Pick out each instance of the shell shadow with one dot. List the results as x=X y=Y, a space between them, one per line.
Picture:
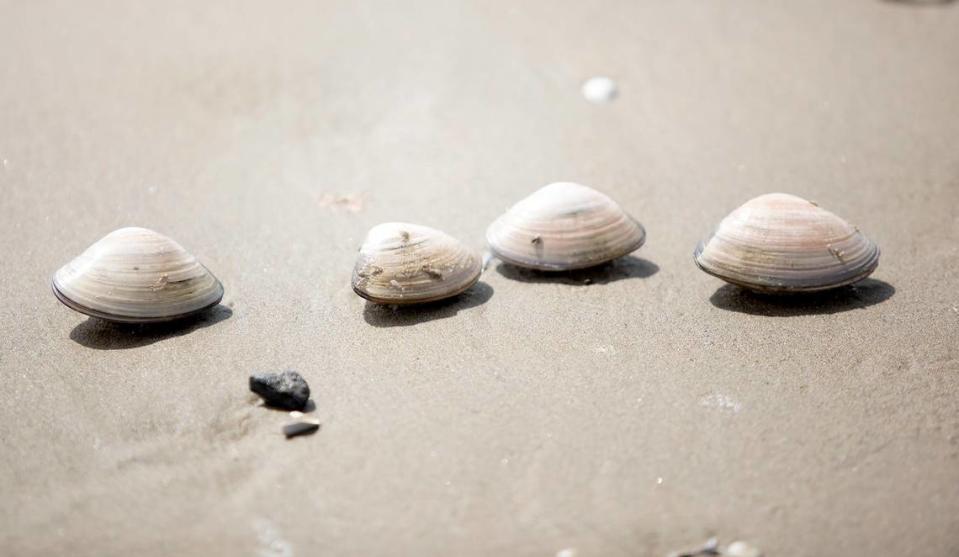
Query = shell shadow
x=857 y=296
x=104 y=335
x=380 y=315
x=627 y=267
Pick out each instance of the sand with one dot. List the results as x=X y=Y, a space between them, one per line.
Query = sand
x=631 y=410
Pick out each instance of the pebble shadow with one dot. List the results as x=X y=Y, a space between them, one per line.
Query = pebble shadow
x=380 y=315
x=628 y=267
x=104 y=335
x=858 y=296
x=255 y=400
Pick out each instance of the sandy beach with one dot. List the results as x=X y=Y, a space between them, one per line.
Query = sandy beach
x=634 y=409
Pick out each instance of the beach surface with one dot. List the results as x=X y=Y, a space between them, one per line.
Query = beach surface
x=635 y=409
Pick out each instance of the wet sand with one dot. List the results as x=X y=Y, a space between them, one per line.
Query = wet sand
x=634 y=409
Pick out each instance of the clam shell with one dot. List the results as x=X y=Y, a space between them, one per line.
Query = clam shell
x=782 y=243
x=564 y=226
x=403 y=263
x=136 y=275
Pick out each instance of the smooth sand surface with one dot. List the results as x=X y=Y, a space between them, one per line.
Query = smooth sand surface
x=631 y=410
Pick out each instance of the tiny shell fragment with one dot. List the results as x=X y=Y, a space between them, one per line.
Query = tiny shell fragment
x=301 y=426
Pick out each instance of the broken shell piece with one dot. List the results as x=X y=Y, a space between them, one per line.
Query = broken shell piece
x=564 y=226
x=301 y=426
x=407 y=263
x=783 y=243
x=741 y=549
x=136 y=275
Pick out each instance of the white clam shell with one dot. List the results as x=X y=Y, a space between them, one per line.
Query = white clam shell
x=136 y=275
x=782 y=243
x=564 y=226
x=403 y=263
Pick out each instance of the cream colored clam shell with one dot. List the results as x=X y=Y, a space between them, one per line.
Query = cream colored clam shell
x=403 y=263
x=782 y=243
x=564 y=226
x=136 y=275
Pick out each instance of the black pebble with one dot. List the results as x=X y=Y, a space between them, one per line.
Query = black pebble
x=287 y=390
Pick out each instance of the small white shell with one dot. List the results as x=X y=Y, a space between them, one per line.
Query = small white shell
x=403 y=263
x=782 y=243
x=135 y=275
x=599 y=89
x=564 y=226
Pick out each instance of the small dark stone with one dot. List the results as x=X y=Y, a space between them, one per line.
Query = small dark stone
x=287 y=390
